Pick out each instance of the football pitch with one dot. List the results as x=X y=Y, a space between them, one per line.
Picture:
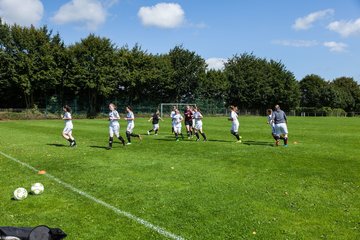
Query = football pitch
x=162 y=189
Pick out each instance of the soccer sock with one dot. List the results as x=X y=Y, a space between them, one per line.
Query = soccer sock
x=274 y=136
x=121 y=140
x=134 y=135
x=151 y=130
x=286 y=141
x=204 y=136
x=182 y=136
x=197 y=135
x=156 y=131
x=176 y=136
x=188 y=133
x=237 y=136
x=110 y=141
x=128 y=136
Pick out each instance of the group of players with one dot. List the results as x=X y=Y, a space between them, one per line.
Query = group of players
x=193 y=121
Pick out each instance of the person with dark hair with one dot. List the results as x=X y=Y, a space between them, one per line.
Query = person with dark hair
x=198 y=124
x=114 y=126
x=188 y=113
x=131 y=124
x=280 y=120
x=155 y=121
x=235 y=123
x=176 y=120
x=67 y=132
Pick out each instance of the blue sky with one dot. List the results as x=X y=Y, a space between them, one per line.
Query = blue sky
x=309 y=36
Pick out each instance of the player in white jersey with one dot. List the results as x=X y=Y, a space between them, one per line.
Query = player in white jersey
x=198 y=124
x=130 y=125
x=235 y=123
x=172 y=114
x=114 y=126
x=67 y=132
x=271 y=123
x=176 y=121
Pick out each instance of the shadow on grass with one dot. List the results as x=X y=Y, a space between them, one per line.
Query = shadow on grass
x=56 y=145
x=216 y=140
x=259 y=143
x=101 y=147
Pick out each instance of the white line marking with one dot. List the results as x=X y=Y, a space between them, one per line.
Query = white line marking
x=143 y=222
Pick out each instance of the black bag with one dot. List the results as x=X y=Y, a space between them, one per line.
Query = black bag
x=37 y=233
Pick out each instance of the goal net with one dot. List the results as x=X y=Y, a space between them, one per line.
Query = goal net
x=166 y=108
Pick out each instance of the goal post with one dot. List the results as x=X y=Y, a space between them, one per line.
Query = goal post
x=167 y=107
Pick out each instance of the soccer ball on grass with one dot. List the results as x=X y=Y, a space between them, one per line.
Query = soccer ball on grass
x=20 y=193
x=37 y=188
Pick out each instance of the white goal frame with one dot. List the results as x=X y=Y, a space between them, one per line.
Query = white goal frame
x=173 y=104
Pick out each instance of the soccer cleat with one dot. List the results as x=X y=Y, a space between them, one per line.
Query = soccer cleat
x=205 y=140
x=73 y=144
x=239 y=141
x=123 y=142
x=156 y=134
x=177 y=140
x=285 y=145
x=129 y=143
x=240 y=137
x=108 y=148
x=198 y=139
x=277 y=143
x=148 y=132
x=140 y=137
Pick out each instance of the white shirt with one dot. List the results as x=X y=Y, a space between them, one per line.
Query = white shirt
x=177 y=120
x=197 y=117
x=114 y=117
x=234 y=117
x=130 y=115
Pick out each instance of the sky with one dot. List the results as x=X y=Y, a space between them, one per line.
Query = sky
x=308 y=36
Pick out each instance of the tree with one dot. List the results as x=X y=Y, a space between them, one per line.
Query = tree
x=348 y=91
x=256 y=83
x=95 y=70
x=188 y=69
x=313 y=89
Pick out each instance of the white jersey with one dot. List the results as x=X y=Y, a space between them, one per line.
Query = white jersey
x=114 y=118
x=271 y=122
x=131 y=116
x=197 y=120
x=172 y=114
x=235 y=121
x=176 y=120
x=67 y=119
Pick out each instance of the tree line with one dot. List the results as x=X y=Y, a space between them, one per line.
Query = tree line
x=36 y=65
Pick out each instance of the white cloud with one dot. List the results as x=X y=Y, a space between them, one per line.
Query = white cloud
x=88 y=13
x=344 y=28
x=306 y=22
x=296 y=43
x=163 y=15
x=21 y=12
x=336 y=46
x=216 y=63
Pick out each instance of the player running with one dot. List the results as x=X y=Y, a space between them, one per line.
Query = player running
x=280 y=120
x=155 y=121
x=198 y=124
x=114 y=126
x=176 y=120
x=130 y=126
x=67 y=132
x=172 y=114
x=235 y=123
x=188 y=113
x=271 y=123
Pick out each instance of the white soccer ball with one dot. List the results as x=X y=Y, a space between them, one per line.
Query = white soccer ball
x=20 y=193
x=37 y=188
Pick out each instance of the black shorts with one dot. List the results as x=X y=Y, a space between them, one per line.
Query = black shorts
x=188 y=123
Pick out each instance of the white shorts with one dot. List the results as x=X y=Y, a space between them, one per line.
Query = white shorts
x=68 y=129
x=155 y=126
x=198 y=126
x=177 y=128
x=130 y=127
x=235 y=127
x=114 y=129
x=281 y=128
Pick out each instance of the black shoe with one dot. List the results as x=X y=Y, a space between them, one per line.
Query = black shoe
x=108 y=148
x=73 y=144
x=123 y=142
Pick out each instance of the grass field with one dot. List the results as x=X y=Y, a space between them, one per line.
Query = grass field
x=195 y=190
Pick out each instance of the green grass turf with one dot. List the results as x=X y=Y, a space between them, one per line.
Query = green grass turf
x=197 y=190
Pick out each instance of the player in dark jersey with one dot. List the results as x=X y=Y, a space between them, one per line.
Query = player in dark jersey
x=188 y=113
x=155 y=121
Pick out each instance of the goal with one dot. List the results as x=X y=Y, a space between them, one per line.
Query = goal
x=166 y=108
